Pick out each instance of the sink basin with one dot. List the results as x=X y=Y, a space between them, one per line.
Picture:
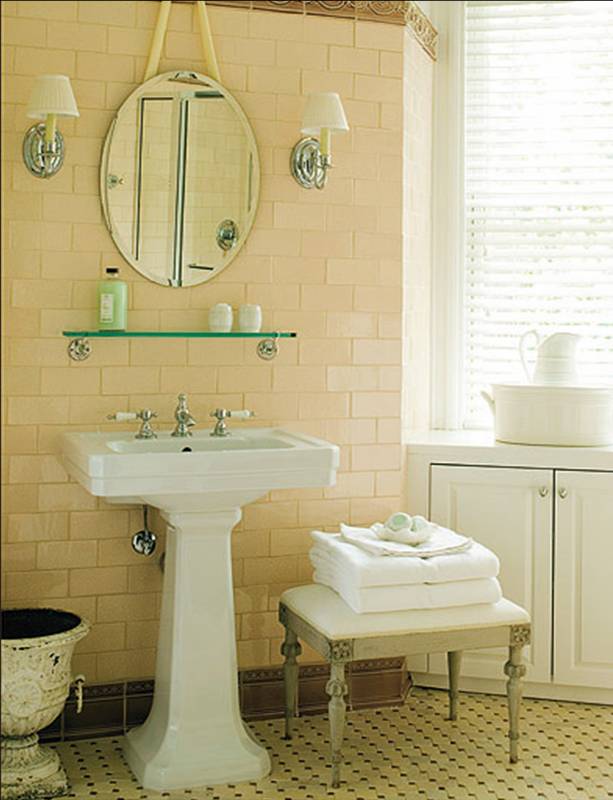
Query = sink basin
x=199 y=472
x=194 y=735
x=199 y=445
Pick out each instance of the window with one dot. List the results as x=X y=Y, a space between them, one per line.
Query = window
x=538 y=187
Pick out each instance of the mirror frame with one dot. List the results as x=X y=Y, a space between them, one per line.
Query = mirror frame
x=176 y=280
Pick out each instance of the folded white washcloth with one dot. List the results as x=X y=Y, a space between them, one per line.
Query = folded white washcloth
x=405 y=597
x=404 y=529
x=441 y=541
x=364 y=569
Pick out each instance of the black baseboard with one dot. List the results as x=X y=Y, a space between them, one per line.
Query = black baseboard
x=112 y=708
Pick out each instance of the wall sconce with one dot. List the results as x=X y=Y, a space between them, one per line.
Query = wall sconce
x=311 y=157
x=43 y=144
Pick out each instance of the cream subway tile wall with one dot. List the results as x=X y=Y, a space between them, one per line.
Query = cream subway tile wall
x=327 y=264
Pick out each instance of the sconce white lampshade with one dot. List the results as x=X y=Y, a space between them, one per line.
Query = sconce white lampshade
x=52 y=94
x=323 y=110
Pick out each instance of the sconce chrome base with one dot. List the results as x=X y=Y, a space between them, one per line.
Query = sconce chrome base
x=307 y=164
x=41 y=159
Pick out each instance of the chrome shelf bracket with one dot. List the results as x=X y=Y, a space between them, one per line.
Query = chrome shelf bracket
x=267 y=349
x=79 y=349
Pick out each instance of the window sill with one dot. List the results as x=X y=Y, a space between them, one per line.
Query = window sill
x=480 y=447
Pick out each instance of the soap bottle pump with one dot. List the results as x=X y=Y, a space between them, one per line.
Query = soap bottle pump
x=112 y=302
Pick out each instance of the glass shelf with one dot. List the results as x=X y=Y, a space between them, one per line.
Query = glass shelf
x=180 y=334
x=267 y=348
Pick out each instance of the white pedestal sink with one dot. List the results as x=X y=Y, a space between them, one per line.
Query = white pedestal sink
x=194 y=735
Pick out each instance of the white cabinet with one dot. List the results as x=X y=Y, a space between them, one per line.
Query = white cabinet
x=553 y=532
x=583 y=607
x=510 y=511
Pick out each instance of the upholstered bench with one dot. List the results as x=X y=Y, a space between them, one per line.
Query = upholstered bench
x=318 y=616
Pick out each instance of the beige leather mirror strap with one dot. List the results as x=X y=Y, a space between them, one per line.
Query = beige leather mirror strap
x=210 y=59
x=159 y=33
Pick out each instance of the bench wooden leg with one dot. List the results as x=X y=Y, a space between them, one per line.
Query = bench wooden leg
x=515 y=671
x=336 y=689
x=290 y=649
x=454 y=661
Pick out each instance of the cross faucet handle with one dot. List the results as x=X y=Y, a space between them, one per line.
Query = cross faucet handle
x=222 y=414
x=145 y=415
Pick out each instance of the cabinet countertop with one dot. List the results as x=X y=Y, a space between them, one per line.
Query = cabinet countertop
x=480 y=447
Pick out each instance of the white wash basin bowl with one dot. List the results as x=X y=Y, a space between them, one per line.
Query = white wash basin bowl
x=199 y=472
x=566 y=416
x=256 y=441
x=194 y=735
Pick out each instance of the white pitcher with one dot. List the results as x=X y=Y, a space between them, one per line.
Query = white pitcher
x=555 y=359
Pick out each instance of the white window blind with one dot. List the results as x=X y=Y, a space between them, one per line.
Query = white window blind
x=538 y=186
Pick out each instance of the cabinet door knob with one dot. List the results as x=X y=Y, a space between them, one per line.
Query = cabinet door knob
x=562 y=493
x=544 y=491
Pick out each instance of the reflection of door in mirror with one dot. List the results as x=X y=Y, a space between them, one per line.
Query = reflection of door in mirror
x=120 y=180
x=217 y=177
x=180 y=179
x=153 y=206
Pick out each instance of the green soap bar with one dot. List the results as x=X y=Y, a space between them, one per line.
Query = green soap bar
x=398 y=521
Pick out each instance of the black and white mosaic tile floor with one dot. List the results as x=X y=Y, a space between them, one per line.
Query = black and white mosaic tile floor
x=408 y=752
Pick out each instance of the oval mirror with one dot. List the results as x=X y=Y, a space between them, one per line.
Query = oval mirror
x=179 y=178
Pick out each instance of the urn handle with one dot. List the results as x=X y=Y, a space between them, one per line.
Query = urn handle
x=78 y=688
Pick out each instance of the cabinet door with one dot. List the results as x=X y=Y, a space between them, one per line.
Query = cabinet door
x=508 y=510
x=583 y=613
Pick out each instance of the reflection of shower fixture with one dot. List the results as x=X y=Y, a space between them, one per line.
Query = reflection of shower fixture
x=113 y=181
x=226 y=234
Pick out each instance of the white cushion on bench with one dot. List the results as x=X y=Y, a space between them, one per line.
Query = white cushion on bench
x=325 y=611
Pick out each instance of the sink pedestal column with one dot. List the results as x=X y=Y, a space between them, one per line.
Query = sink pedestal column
x=194 y=734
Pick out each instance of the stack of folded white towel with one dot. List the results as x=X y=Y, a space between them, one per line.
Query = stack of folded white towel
x=376 y=569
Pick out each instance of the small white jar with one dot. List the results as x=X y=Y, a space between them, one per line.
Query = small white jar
x=220 y=318
x=250 y=318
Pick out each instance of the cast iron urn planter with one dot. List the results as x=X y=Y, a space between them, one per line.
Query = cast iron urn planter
x=37 y=646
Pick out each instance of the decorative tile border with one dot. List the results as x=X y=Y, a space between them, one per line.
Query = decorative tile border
x=393 y=12
x=423 y=30
x=109 y=709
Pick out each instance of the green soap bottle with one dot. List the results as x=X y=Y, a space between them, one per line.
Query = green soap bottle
x=112 y=302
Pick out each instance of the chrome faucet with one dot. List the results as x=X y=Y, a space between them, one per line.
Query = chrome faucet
x=184 y=419
x=222 y=414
